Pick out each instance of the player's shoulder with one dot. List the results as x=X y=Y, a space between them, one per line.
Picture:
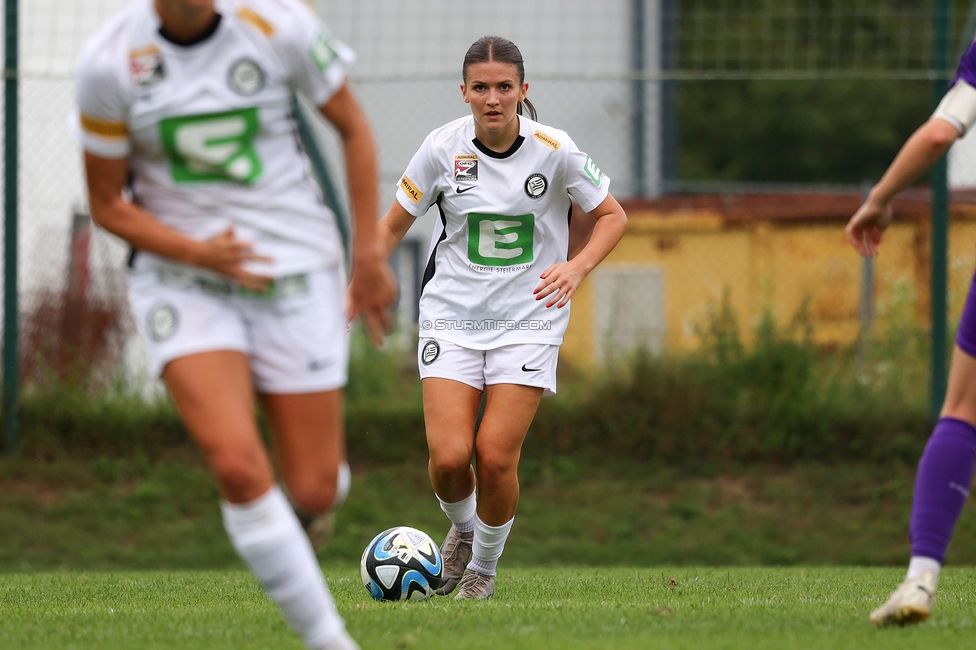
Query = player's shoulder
x=105 y=51
x=272 y=18
x=546 y=137
x=451 y=133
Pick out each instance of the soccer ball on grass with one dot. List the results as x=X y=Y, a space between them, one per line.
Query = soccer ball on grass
x=401 y=563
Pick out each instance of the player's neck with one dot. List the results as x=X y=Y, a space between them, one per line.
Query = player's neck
x=500 y=140
x=185 y=23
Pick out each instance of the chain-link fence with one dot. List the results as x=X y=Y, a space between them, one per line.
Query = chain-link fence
x=664 y=95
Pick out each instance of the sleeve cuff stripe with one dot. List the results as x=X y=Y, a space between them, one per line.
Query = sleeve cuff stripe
x=104 y=128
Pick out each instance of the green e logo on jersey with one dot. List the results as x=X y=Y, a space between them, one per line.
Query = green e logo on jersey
x=495 y=240
x=593 y=171
x=213 y=146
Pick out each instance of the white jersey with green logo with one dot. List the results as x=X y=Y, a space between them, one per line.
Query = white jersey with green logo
x=207 y=128
x=504 y=219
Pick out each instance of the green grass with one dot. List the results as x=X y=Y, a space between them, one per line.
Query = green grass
x=537 y=608
x=137 y=514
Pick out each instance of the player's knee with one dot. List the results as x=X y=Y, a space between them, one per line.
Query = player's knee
x=242 y=476
x=495 y=468
x=450 y=465
x=321 y=491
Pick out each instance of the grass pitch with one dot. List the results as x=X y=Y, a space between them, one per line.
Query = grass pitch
x=565 y=608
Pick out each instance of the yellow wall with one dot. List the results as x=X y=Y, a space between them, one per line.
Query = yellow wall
x=776 y=264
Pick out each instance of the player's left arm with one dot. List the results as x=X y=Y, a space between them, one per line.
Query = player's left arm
x=372 y=288
x=560 y=281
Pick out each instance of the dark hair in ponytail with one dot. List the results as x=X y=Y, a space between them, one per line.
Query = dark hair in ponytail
x=502 y=50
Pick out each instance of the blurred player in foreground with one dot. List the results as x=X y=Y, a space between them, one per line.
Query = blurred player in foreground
x=945 y=471
x=237 y=277
x=496 y=293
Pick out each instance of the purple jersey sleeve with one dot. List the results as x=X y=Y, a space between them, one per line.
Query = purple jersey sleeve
x=967 y=67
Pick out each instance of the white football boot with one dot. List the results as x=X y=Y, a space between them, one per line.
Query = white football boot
x=455 y=553
x=911 y=603
x=475 y=586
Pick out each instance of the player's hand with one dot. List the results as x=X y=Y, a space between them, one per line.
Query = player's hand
x=867 y=226
x=559 y=283
x=227 y=255
x=371 y=293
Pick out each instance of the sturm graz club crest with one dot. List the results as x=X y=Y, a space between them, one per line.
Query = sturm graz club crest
x=245 y=77
x=536 y=185
x=163 y=322
x=430 y=353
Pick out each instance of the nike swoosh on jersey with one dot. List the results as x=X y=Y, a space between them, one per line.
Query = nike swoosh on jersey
x=467 y=189
x=524 y=369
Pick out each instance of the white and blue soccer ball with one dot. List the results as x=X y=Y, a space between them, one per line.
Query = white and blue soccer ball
x=402 y=563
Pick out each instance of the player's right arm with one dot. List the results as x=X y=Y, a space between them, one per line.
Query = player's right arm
x=393 y=227
x=929 y=143
x=224 y=253
x=954 y=116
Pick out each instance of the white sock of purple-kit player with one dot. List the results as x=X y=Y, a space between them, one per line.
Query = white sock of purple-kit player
x=268 y=537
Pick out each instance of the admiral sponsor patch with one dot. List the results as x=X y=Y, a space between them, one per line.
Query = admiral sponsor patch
x=536 y=185
x=116 y=130
x=407 y=186
x=146 y=66
x=546 y=140
x=248 y=15
x=245 y=77
x=465 y=167
x=430 y=353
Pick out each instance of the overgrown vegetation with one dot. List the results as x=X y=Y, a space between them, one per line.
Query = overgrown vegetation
x=778 y=398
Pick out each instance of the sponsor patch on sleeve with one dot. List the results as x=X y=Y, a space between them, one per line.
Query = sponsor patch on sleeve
x=593 y=171
x=255 y=20
x=104 y=128
x=546 y=140
x=408 y=187
x=322 y=52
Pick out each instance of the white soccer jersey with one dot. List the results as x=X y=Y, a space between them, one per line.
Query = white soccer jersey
x=207 y=128
x=504 y=219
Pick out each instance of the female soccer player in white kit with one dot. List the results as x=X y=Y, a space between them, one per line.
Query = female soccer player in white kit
x=237 y=276
x=496 y=292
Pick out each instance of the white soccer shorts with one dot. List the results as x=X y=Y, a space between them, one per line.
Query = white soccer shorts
x=526 y=364
x=296 y=339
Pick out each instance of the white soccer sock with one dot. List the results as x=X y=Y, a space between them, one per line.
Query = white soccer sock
x=489 y=542
x=266 y=534
x=919 y=565
x=343 y=482
x=461 y=513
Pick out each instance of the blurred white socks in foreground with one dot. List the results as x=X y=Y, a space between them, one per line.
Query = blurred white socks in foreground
x=268 y=537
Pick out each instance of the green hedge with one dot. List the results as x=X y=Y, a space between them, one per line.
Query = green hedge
x=780 y=399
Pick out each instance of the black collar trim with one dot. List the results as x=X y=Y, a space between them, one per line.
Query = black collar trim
x=196 y=39
x=494 y=154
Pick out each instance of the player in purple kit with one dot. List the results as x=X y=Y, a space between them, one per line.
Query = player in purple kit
x=945 y=471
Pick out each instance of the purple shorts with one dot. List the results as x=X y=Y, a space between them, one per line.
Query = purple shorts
x=966 y=334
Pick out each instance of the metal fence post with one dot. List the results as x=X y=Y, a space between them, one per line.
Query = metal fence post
x=940 y=218
x=11 y=361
